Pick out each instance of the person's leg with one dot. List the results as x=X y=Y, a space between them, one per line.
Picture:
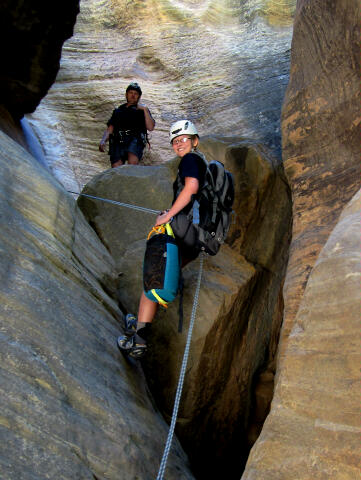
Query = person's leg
x=117 y=163
x=135 y=149
x=147 y=309
x=118 y=155
x=132 y=159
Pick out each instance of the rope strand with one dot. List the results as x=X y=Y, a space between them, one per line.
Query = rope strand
x=189 y=336
x=182 y=374
x=121 y=204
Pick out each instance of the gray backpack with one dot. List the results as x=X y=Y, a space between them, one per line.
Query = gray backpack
x=206 y=225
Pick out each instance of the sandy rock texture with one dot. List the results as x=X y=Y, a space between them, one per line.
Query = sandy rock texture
x=229 y=380
x=313 y=430
x=71 y=406
x=321 y=131
x=225 y=65
x=315 y=418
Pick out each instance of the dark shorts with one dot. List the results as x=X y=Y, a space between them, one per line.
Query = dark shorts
x=119 y=150
x=187 y=254
x=185 y=236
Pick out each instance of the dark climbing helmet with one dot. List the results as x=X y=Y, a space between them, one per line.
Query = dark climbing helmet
x=134 y=86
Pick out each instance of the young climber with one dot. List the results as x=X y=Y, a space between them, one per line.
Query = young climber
x=191 y=170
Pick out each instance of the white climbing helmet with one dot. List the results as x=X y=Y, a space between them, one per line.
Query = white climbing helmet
x=182 y=127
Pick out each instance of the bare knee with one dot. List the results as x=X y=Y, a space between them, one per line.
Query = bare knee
x=132 y=159
x=147 y=309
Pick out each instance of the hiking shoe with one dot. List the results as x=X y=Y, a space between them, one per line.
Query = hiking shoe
x=126 y=340
x=139 y=347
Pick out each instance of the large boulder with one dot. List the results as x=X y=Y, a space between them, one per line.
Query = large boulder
x=71 y=406
x=228 y=386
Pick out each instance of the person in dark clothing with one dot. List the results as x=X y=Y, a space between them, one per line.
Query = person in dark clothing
x=127 y=129
x=184 y=139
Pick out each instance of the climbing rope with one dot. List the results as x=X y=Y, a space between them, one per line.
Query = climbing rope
x=189 y=336
x=128 y=205
x=182 y=373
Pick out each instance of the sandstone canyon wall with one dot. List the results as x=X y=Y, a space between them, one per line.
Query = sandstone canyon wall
x=223 y=64
x=313 y=430
x=71 y=407
x=32 y=37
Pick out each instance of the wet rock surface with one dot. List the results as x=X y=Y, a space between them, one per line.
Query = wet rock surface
x=71 y=406
x=232 y=356
x=224 y=65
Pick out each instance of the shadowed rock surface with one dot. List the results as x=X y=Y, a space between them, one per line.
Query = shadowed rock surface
x=223 y=64
x=71 y=407
x=315 y=418
x=31 y=38
x=229 y=381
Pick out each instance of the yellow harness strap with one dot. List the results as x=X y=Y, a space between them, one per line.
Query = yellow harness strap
x=169 y=230
x=160 y=300
x=161 y=229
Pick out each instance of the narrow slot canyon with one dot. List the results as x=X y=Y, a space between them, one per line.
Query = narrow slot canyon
x=272 y=386
x=230 y=385
x=229 y=381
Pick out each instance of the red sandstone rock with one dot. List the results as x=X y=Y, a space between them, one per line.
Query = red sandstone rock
x=313 y=429
x=321 y=131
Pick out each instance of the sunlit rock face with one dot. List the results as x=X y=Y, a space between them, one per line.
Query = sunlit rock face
x=71 y=406
x=223 y=64
x=321 y=128
x=313 y=429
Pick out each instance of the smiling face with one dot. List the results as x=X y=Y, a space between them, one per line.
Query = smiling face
x=184 y=144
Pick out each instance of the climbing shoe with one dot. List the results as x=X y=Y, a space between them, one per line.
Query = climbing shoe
x=139 y=347
x=126 y=340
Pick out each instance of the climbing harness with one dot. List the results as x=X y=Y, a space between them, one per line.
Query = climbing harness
x=165 y=228
x=182 y=373
x=128 y=205
x=178 y=394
